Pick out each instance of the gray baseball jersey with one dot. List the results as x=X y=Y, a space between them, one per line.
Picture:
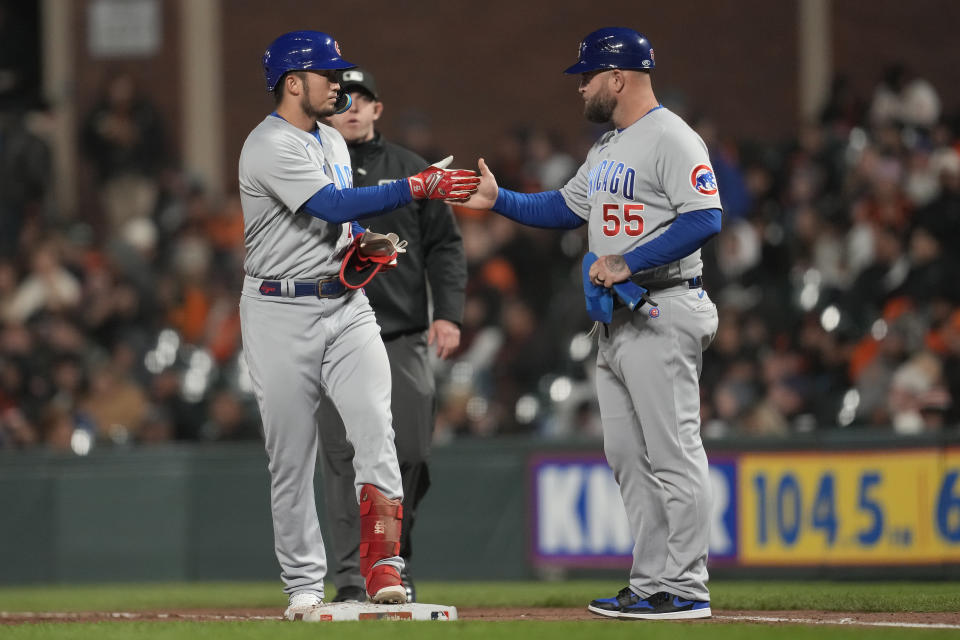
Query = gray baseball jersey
x=300 y=347
x=635 y=182
x=281 y=167
x=631 y=188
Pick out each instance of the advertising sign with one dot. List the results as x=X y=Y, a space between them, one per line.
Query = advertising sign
x=845 y=508
x=799 y=508
x=579 y=519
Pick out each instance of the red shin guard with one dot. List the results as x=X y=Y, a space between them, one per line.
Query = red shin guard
x=380 y=523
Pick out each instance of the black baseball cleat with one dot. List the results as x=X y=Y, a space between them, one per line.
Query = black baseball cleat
x=665 y=606
x=611 y=607
x=408 y=585
x=351 y=593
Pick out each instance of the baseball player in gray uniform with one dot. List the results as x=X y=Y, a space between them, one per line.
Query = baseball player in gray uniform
x=304 y=331
x=419 y=305
x=648 y=195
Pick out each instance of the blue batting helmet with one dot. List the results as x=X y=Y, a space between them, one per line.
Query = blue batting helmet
x=301 y=51
x=614 y=48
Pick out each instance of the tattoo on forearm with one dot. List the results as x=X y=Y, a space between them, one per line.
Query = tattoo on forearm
x=616 y=263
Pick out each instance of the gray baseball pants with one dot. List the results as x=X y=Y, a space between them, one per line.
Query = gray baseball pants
x=297 y=350
x=648 y=388
x=414 y=410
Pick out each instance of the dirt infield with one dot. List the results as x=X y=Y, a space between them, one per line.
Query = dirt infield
x=944 y=620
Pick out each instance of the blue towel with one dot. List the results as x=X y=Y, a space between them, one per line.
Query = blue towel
x=599 y=299
x=630 y=293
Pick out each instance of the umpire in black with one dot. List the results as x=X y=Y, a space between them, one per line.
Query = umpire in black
x=400 y=298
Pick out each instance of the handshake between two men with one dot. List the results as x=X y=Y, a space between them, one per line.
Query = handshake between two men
x=372 y=252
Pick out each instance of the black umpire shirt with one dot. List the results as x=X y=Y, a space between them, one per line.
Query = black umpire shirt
x=434 y=249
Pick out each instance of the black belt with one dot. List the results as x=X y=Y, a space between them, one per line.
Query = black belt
x=330 y=288
x=693 y=283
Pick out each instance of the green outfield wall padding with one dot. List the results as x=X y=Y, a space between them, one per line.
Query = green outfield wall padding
x=202 y=512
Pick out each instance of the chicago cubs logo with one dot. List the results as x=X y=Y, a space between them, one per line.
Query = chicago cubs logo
x=654 y=313
x=336 y=45
x=702 y=180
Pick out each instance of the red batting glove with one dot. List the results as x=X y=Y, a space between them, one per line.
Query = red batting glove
x=438 y=183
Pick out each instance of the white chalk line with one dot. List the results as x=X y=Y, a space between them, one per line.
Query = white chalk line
x=840 y=621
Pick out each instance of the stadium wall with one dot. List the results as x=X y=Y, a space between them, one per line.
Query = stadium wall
x=505 y=509
x=737 y=61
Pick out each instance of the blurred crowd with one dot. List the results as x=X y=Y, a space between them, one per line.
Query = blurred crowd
x=838 y=291
x=119 y=324
x=834 y=273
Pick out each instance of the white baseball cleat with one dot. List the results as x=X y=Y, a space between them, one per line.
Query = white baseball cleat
x=302 y=603
x=393 y=594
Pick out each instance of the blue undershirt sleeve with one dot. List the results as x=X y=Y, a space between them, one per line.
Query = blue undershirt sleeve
x=357 y=228
x=345 y=205
x=547 y=209
x=689 y=232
